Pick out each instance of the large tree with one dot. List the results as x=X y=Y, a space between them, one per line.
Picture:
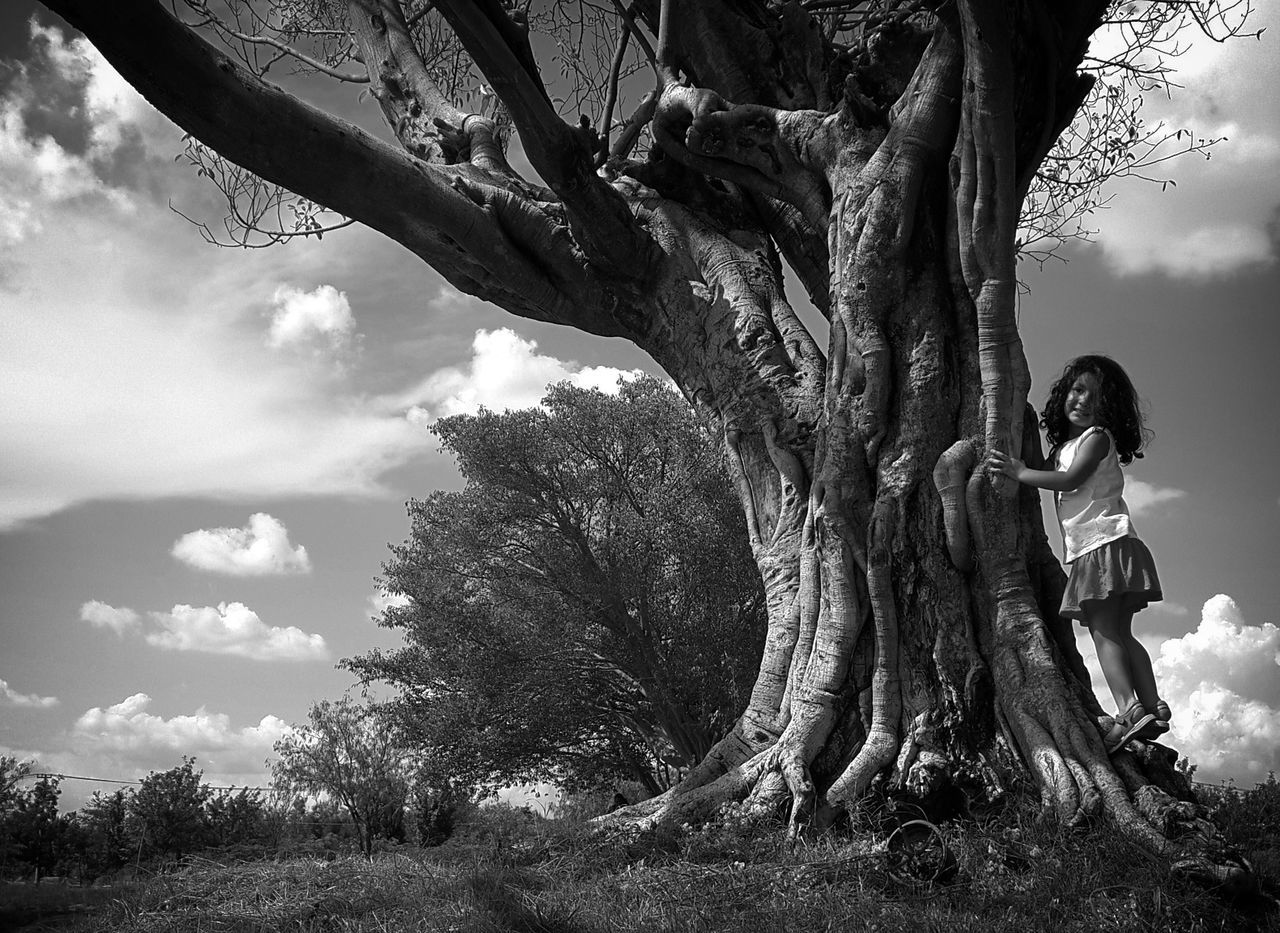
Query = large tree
x=883 y=150
x=587 y=608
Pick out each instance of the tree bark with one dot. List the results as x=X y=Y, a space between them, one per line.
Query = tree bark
x=914 y=642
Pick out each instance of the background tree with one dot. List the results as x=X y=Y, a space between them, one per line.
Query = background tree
x=587 y=608
x=32 y=835
x=884 y=150
x=12 y=771
x=167 y=812
x=105 y=842
x=239 y=818
x=345 y=751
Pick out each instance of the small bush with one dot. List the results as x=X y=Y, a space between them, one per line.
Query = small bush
x=1250 y=821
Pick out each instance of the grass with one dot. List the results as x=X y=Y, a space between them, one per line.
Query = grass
x=509 y=873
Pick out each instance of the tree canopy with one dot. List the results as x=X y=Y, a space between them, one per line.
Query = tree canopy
x=587 y=608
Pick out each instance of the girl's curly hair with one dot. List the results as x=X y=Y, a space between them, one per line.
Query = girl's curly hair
x=1117 y=408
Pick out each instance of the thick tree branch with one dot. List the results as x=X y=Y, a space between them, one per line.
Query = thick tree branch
x=601 y=221
x=479 y=238
x=409 y=98
x=423 y=119
x=780 y=154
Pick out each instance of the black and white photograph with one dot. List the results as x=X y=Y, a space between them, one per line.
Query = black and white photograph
x=639 y=465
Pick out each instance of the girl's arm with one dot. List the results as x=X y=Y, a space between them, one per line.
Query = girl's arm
x=1092 y=449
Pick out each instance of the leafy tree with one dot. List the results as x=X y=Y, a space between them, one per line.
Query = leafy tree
x=105 y=842
x=12 y=771
x=883 y=149
x=237 y=818
x=587 y=608
x=345 y=751
x=167 y=812
x=32 y=834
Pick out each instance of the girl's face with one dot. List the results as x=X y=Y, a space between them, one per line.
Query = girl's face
x=1081 y=406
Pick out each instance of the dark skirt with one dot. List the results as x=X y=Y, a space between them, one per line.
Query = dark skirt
x=1120 y=569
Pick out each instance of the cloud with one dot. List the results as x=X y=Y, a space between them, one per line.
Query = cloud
x=121 y=621
x=380 y=601
x=228 y=628
x=128 y=725
x=505 y=372
x=261 y=548
x=235 y=629
x=1142 y=498
x=1222 y=683
x=1197 y=252
x=1214 y=220
x=321 y=316
x=113 y=390
x=126 y=739
x=36 y=172
x=134 y=357
x=72 y=133
x=1169 y=607
x=11 y=697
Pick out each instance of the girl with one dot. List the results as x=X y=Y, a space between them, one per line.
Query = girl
x=1094 y=425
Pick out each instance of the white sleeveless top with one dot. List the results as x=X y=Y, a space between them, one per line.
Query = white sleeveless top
x=1095 y=513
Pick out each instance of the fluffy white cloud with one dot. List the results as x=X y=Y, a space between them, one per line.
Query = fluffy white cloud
x=127 y=740
x=11 y=697
x=232 y=628
x=121 y=621
x=259 y=549
x=1142 y=497
x=321 y=316
x=1222 y=682
x=1215 y=220
x=228 y=628
x=505 y=372
x=129 y=725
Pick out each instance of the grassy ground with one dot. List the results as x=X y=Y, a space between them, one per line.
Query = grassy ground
x=507 y=873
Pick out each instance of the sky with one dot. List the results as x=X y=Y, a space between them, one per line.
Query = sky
x=205 y=452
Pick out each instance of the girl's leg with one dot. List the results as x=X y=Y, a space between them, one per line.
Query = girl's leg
x=1144 y=678
x=1109 y=625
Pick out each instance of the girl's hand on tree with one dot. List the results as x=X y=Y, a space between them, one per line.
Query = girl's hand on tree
x=1000 y=462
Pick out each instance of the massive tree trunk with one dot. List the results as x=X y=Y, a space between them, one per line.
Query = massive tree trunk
x=914 y=638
